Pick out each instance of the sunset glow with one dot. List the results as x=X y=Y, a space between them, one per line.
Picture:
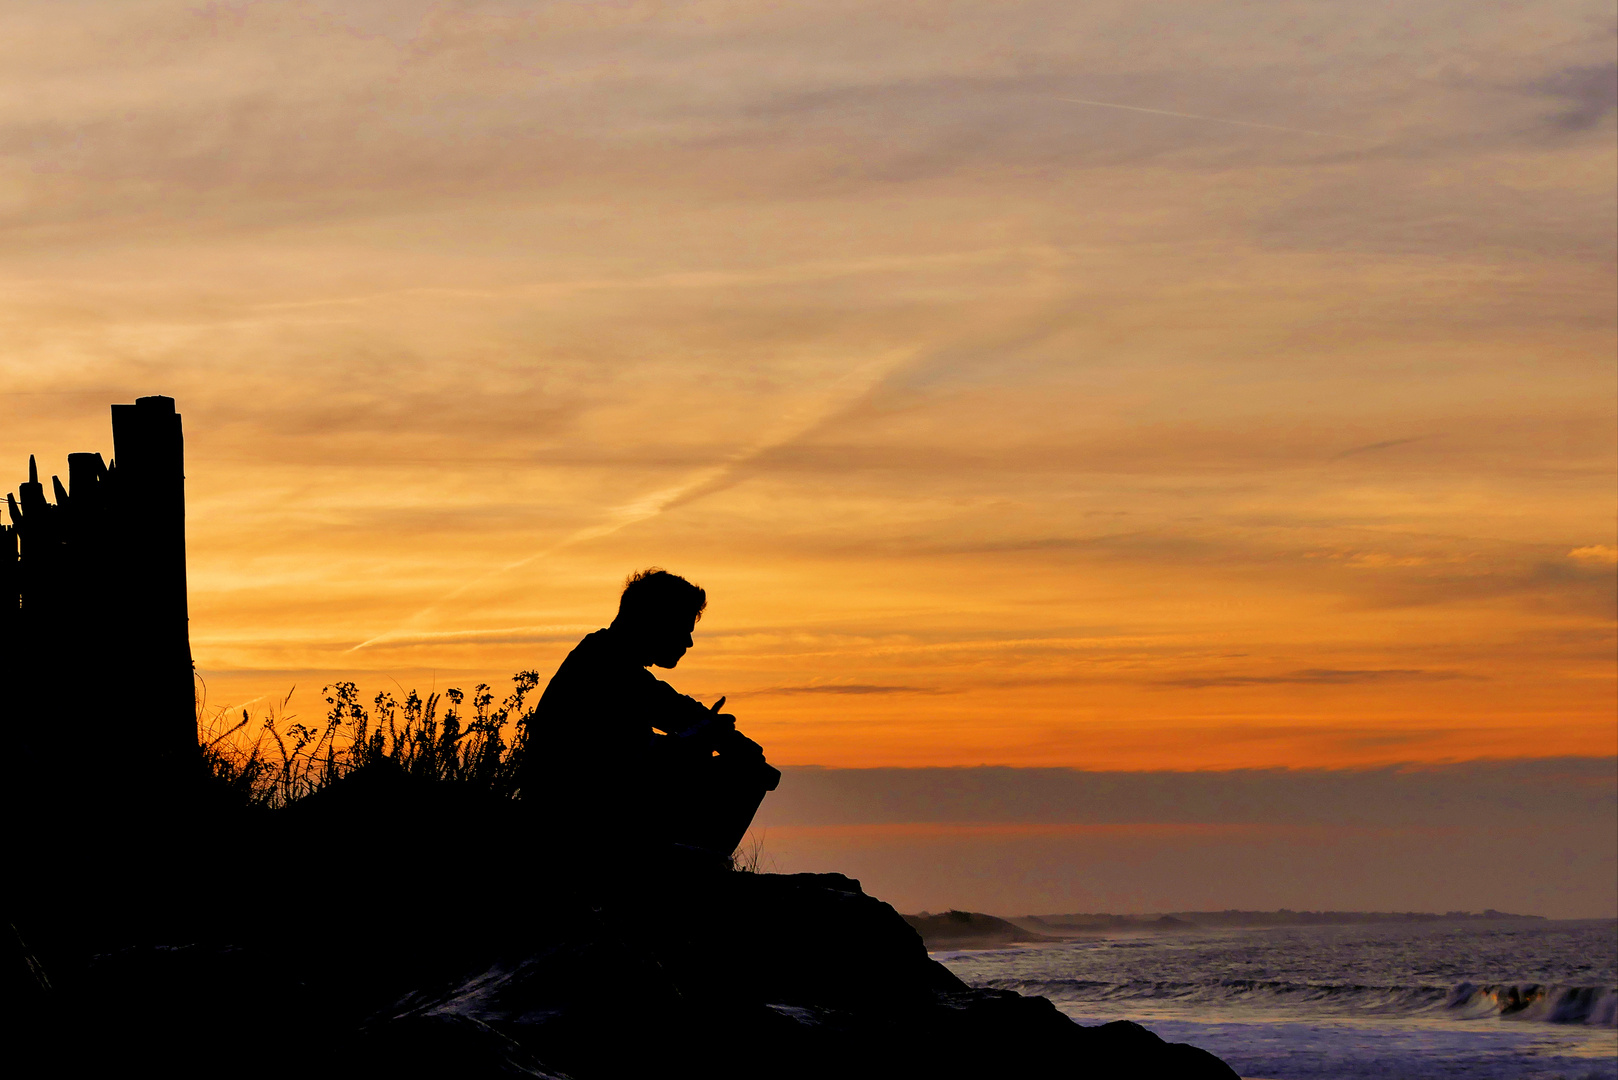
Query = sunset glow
x=1268 y=421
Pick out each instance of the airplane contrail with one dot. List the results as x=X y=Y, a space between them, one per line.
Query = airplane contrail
x=849 y=387
x=619 y=517
x=1214 y=119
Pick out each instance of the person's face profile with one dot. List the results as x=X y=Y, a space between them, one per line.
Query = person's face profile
x=670 y=639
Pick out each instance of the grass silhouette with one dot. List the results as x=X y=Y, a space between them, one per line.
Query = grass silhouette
x=750 y=857
x=449 y=737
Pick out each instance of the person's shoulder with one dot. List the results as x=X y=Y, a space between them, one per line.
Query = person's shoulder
x=595 y=639
x=602 y=647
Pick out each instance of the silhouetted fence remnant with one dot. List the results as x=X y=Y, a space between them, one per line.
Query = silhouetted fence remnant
x=95 y=651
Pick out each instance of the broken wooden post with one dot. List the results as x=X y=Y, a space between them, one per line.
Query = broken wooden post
x=150 y=620
x=95 y=647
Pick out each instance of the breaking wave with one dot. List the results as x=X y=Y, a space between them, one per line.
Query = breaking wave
x=1591 y=1006
x=1596 y=1006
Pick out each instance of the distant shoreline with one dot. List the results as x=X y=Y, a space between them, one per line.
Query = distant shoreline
x=1172 y=920
x=975 y=929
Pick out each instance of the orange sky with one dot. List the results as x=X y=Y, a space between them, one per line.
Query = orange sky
x=1002 y=426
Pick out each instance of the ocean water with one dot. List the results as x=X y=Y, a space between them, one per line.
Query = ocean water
x=1403 y=1001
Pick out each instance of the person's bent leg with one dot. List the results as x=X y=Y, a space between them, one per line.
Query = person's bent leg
x=717 y=799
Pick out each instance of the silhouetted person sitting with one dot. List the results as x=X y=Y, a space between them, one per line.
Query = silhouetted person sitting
x=608 y=785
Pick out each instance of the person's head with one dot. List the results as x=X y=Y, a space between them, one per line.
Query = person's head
x=657 y=612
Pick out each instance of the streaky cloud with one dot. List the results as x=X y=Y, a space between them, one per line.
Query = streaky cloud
x=851 y=385
x=1217 y=119
x=843 y=688
x=1315 y=676
x=1525 y=791
x=1386 y=444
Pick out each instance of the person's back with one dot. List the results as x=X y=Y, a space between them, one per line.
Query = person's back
x=603 y=781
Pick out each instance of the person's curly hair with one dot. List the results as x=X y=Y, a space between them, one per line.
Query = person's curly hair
x=655 y=595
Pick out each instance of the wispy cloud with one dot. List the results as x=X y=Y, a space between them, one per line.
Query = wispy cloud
x=857 y=689
x=1589 y=91
x=1451 y=794
x=1314 y=677
x=1217 y=120
x=807 y=413
x=1385 y=444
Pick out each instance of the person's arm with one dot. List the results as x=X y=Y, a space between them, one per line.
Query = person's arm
x=666 y=709
x=691 y=725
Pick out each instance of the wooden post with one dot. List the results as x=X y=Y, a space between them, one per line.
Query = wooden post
x=95 y=650
x=99 y=746
x=10 y=592
x=151 y=619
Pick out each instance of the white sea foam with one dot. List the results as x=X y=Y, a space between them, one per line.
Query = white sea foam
x=1596 y=1006
x=1526 y=1000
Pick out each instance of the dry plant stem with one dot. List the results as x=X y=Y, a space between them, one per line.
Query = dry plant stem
x=424 y=738
x=750 y=857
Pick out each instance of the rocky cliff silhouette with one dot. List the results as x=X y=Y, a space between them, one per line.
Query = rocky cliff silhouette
x=390 y=927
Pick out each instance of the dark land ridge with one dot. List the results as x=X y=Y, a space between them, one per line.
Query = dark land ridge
x=395 y=927
x=1282 y=917
x=972 y=930
x=976 y=930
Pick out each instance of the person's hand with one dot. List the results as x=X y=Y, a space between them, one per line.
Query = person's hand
x=736 y=743
x=721 y=721
x=714 y=727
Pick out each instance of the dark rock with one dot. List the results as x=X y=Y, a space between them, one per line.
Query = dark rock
x=971 y=930
x=391 y=932
x=436 y=1046
x=788 y=976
